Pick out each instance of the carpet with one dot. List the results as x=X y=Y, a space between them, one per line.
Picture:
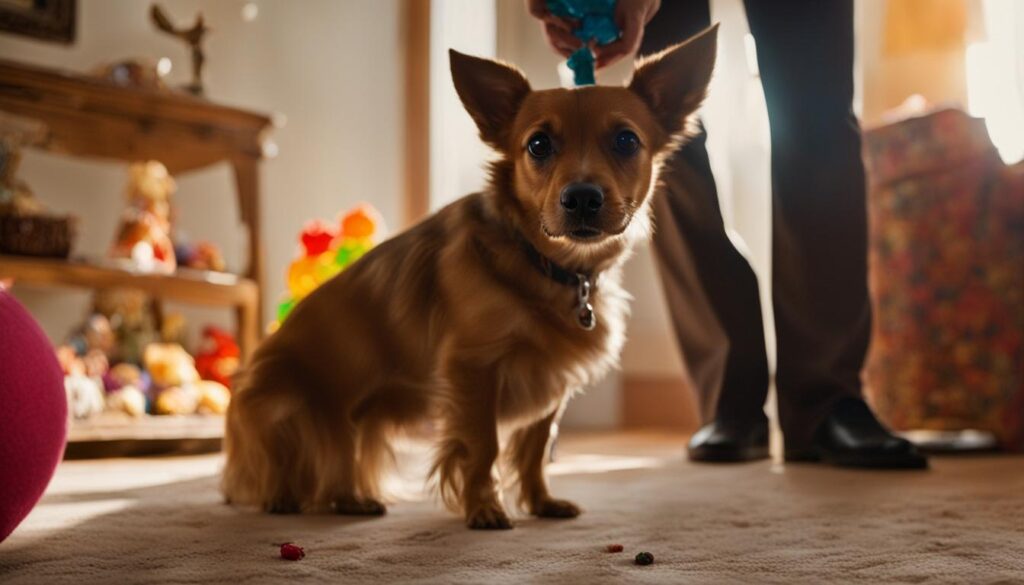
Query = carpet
x=160 y=520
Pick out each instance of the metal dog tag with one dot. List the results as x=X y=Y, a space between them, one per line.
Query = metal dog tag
x=584 y=310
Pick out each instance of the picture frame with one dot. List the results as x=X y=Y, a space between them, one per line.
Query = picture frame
x=47 y=20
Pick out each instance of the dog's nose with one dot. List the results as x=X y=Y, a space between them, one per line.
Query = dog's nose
x=582 y=199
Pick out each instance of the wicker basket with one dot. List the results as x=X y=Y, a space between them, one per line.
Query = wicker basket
x=36 y=235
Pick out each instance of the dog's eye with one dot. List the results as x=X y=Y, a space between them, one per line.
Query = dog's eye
x=626 y=142
x=539 y=146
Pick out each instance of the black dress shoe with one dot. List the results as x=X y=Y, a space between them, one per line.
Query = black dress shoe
x=851 y=436
x=723 y=441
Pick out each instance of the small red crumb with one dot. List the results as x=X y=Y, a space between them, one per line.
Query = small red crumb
x=613 y=548
x=292 y=552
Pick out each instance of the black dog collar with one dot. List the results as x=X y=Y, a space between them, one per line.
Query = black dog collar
x=583 y=283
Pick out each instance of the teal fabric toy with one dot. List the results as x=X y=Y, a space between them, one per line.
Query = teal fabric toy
x=596 y=23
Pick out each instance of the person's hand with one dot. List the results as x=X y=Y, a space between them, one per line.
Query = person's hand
x=631 y=16
x=557 y=30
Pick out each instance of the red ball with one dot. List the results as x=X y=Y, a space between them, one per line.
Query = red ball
x=33 y=413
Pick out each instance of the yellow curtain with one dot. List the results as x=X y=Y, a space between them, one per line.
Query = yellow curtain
x=917 y=26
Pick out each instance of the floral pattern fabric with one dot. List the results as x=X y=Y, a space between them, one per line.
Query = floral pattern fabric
x=947 y=278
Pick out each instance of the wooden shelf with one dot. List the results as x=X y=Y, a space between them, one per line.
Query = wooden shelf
x=86 y=116
x=114 y=434
x=83 y=116
x=191 y=286
x=115 y=426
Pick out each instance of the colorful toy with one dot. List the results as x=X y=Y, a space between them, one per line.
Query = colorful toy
x=596 y=24
x=127 y=399
x=218 y=356
x=96 y=364
x=144 y=235
x=132 y=318
x=177 y=400
x=95 y=333
x=202 y=255
x=123 y=375
x=84 y=394
x=170 y=365
x=307 y=272
x=326 y=251
x=213 y=397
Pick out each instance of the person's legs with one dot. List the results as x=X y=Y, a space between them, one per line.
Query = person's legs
x=822 y=312
x=711 y=290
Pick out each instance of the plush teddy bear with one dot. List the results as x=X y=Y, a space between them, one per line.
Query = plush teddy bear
x=169 y=365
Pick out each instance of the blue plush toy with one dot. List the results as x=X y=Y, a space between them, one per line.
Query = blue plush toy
x=596 y=23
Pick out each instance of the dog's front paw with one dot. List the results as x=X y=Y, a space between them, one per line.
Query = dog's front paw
x=359 y=507
x=490 y=516
x=554 y=508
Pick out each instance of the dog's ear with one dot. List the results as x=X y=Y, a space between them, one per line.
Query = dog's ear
x=491 y=93
x=675 y=81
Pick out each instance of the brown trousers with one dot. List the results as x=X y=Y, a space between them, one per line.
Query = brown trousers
x=819 y=227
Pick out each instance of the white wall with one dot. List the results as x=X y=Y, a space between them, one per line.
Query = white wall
x=332 y=69
x=457 y=156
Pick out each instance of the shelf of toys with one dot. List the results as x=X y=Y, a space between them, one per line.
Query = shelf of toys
x=129 y=378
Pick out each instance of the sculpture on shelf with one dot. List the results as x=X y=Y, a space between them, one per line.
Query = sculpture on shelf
x=192 y=36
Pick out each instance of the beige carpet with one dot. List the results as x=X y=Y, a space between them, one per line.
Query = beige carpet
x=161 y=521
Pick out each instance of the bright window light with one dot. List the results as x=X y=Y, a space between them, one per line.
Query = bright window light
x=995 y=77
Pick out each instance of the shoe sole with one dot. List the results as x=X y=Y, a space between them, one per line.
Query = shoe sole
x=902 y=462
x=705 y=455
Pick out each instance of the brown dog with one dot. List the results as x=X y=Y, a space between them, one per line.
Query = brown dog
x=488 y=314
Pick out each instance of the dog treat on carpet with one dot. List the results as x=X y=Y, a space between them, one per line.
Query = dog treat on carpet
x=292 y=552
x=614 y=548
x=644 y=558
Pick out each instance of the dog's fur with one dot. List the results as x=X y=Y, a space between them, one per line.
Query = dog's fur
x=452 y=319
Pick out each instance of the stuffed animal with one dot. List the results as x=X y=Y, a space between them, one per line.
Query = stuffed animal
x=96 y=333
x=213 y=397
x=202 y=255
x=85 y=395
x=218 y=356
x=123 y=375
x=127 y=399
x=132 y=319
x=170 y=365
x=145 y=232
x=177 y=400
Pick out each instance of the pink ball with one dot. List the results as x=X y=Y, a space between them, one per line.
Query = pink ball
x=33 y=413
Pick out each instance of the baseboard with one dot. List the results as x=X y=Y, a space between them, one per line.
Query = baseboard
x=665 y=402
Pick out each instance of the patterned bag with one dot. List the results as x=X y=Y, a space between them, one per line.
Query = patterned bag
x=947 y=278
